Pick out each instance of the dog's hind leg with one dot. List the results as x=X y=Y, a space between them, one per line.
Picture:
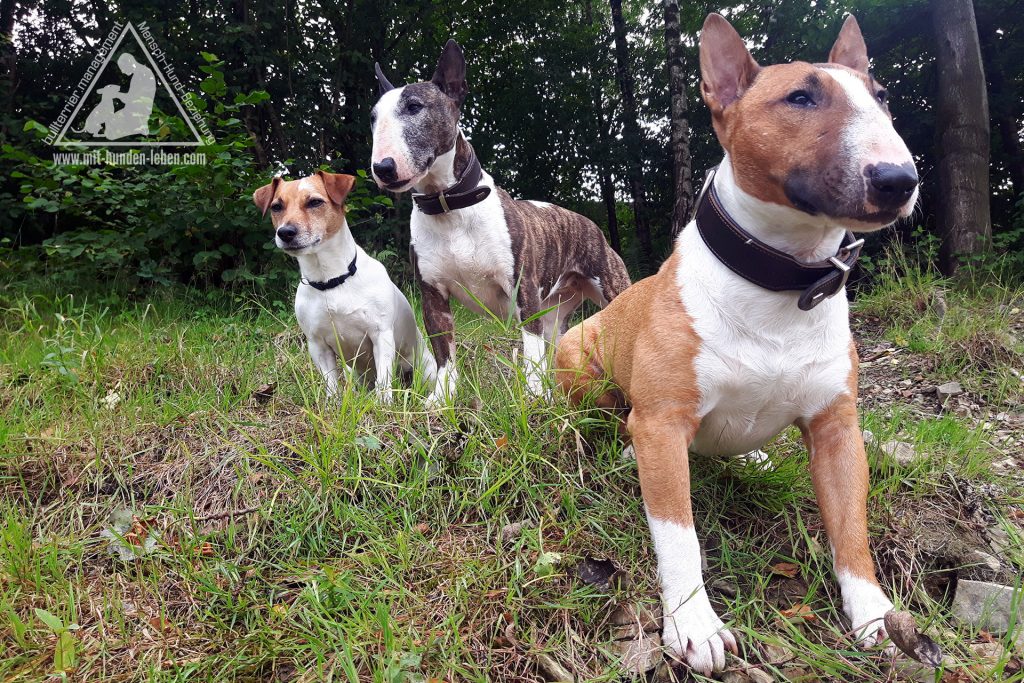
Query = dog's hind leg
x=534 y=345
x=579 y=373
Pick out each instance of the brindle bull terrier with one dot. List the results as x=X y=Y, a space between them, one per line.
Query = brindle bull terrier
x=470 y=239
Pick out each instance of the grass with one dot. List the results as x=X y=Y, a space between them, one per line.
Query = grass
x=296 y=540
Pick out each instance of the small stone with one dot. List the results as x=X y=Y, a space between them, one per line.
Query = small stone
x=902 y=452
x=510 y=532
x=988 y=606
x=987 y=651
x=725 y=587
x=869 y=437
x=948 y=390
x=981 y=558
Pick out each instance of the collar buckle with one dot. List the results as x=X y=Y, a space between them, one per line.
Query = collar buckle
x=841 y=265
x=844 y=271
x=444 y=203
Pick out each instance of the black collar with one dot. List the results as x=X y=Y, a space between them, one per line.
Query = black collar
x=465 y=192
x=334 y=281
x=766 y=266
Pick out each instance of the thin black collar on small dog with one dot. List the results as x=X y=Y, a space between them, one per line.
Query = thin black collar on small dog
x=334 y=281
x=766 y=266
x=465 y=192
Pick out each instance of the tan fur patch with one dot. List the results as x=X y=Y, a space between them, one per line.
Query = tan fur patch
x=290 y=203
x=839 y=473
x=643 y=337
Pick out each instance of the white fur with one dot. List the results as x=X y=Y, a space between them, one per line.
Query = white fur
x=388 y=136
x=444 y=388
x=763 y=363
x=469 y=250
x=535 y=358
x=869 y=137
x=366 y=321
x=691 y=630
x=864 y=604
x=539 y=205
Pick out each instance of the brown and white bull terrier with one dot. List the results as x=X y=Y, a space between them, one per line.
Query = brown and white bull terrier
x=470 y=240
x=738 y=336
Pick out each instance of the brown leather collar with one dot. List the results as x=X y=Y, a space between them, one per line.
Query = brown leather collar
x=465 y=192
x=766 y=266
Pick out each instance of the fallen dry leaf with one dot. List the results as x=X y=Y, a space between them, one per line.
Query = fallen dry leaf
x=799 y=611
x=787 y=569
x=501 y=441
x=902 y=630
x=265 y=392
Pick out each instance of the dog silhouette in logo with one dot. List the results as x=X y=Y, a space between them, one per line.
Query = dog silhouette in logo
x=108 y=121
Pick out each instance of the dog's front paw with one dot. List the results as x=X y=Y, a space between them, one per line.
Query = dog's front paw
x=865 y=606
x=695 y=635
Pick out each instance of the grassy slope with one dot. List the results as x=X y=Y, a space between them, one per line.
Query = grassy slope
x=304 y=541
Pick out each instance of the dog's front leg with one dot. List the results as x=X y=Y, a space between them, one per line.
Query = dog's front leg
x=691 y=630
x=839 y=472
x=534 y=347
x=384 y=363
x=326 y=361
x=440 y=324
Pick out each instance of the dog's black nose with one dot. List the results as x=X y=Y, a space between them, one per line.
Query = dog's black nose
x=892 y=185
x=386 y=170
x=286 y=233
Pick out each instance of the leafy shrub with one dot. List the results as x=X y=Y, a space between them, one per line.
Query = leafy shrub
x=160 y=224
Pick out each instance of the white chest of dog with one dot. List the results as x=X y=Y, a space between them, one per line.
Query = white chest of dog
x=467 y=254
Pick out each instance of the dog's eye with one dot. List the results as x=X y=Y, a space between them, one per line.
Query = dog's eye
x=414 y=107
x=313 y=203
x=373 y=117
x=800 y=98
x=882 y=95
x=277 y=206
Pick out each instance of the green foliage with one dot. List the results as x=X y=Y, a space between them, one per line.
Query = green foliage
x=160 y=224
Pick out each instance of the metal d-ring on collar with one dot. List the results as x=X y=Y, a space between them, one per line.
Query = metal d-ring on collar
x=766 y=266
x=467 y=191
x=334 y=281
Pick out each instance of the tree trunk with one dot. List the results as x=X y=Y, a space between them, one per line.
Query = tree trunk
x=964 y=219
x=604 y=175
x=631 y=137
x=8 y=52
x=679 y=138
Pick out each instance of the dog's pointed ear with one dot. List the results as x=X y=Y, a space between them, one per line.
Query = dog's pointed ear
x=264 y=196
x=338 y=185
x=383 y=84
x=450 y=75
x=726 y=67
x=850 y=49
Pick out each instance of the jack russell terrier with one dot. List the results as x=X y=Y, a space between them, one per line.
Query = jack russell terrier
x=745 y=329
x=470 y=240
x=346 y=304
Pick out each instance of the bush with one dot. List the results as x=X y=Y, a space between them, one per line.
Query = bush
x=157 y=224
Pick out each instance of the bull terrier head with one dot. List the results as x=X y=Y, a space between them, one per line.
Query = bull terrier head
x=816 y=138
x=305 y=212
x=415 y=124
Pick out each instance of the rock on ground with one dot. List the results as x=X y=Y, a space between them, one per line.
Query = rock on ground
x=990 y=606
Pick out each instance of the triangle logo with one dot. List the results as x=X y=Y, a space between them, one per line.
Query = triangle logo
x=119 y=112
